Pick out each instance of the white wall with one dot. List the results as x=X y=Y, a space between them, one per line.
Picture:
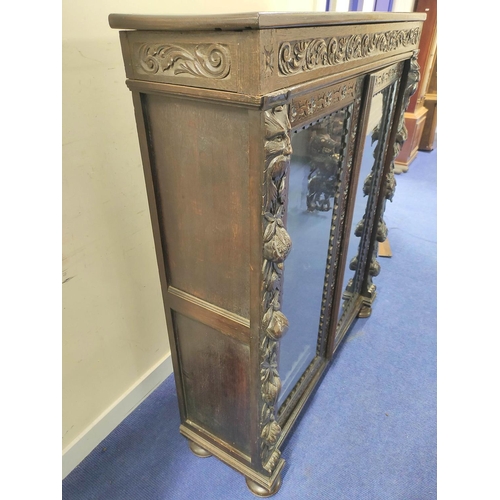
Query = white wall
x=115 y=346
x=368 y=5
x=403 y=5
x=339 y=5
x=114 y=328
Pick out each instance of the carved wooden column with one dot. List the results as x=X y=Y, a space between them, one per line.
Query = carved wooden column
x=390 y=183
x=277 y=245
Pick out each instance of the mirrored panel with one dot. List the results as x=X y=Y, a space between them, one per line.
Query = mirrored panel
x=316 y=167
x=381 y=110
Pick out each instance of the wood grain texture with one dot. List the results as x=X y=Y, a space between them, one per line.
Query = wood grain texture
x=251 y=20
x=199 y=94
x=227 y=323
x=215 y=381
x=415 y=123
x=429 y=131
x=157 y=231
x=200 y=171
x=428 y=139
x=427 y=47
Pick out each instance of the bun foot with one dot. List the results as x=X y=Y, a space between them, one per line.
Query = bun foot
x=261 y=491
x=198 y=450
x=365 y=312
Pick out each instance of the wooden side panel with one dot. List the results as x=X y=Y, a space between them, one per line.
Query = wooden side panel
x=199 y=162
x=429 y=132
x=215 y=374
x=415 y=125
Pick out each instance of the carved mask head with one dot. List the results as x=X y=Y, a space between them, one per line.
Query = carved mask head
x=278 y=147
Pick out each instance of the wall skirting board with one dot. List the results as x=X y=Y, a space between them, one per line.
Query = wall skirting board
x=83 y=444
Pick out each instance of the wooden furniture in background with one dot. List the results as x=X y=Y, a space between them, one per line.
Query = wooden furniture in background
x=267 y=188
x=429 y=133
x=416 y=114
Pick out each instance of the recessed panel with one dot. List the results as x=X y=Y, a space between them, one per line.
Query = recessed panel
x=215 y=375
x=199 y=162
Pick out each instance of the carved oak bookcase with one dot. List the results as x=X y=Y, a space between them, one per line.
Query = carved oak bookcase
x=268 y=143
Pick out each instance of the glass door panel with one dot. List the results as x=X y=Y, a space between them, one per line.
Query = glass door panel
x=316 y=167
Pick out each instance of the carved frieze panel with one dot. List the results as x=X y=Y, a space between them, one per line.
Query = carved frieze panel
x=201 y=60
x=306 y=108
x=387 y=76
x=204 y=60
x=308 y=54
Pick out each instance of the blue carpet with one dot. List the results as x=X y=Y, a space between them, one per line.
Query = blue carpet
x=369 y=431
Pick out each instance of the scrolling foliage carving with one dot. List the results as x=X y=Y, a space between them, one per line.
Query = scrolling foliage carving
x=306 y=55
x=204 y=60
x=276 y=247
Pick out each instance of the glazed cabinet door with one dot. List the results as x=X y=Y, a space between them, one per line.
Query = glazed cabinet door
x=324 y=203
x=310 y=145
x=383 y=133
x=373 y=182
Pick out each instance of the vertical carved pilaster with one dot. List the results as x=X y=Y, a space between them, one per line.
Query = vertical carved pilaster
x=390 y=180
x=371 y=188
x=276 y=247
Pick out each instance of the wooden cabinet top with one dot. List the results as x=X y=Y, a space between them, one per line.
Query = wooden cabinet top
x=254 y=20
x=251 y=55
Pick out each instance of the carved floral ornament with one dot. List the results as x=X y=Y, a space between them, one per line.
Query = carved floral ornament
x=203 y=60
x=269 y=59
x=306 y=55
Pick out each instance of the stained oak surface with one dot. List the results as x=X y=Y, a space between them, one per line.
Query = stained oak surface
x=200 y=168
x=252 y=20
x=215 y=374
